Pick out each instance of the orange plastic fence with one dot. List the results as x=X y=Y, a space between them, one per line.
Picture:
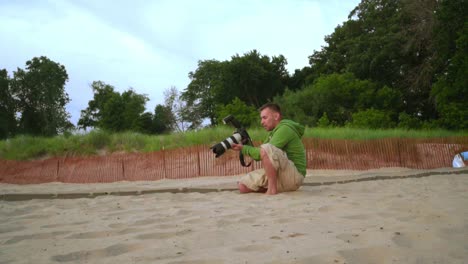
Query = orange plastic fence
x=199 y=161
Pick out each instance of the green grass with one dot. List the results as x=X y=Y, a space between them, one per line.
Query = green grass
x=358 y=133
x=96 y=142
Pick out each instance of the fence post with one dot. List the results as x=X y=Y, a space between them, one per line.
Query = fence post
x=57 y=172
x=123 y=170
x=164 y=161
x=198 y=159
x=399 y=152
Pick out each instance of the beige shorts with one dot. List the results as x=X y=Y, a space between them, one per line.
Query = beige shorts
x=288 y=177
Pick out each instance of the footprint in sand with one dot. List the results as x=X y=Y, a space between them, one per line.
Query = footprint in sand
x=146 y=222
x=369 y=255
x=24 y=211
x=282 y=220
x=352 y=238
x=356 y=217
x=101 y=234
x=8 y=229
x=252 y=248
x=65 y=224
x=402 y=240
x=326 y=208
x=164 y=235
x=93 y=255
x=51 y=235
x=249 y=220
x=193 y=220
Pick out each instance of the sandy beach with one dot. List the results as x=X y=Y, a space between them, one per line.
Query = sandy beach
x=329 y=220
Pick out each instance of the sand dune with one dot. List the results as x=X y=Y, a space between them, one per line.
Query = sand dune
x=412 y=220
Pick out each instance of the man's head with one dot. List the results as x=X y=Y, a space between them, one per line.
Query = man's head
x=270 y=114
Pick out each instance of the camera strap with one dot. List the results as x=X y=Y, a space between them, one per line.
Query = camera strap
x=241 y=156
x=242 y=161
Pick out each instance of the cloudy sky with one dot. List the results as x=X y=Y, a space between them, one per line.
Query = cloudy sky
x=151 y=45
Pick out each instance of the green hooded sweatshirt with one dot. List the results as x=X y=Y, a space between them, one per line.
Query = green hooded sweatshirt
x=286 y=136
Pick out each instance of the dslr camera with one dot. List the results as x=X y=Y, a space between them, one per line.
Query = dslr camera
x=239 y=136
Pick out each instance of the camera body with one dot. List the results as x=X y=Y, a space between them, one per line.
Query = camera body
x=239 y=136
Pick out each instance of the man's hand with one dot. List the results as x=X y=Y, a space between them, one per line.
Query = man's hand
x=237 y=147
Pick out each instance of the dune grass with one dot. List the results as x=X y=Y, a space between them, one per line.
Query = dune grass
x=363 y=134
x=98 y=142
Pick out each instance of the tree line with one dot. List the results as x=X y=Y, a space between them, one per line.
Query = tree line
x=393 y=63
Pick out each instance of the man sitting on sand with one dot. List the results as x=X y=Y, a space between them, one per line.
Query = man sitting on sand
x=282 y=155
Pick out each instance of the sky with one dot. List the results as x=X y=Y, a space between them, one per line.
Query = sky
x=152 y=45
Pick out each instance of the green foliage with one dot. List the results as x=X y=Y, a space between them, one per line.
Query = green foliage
x=110 y=110
x=404 y=60
x=403 y=45
x=41 y=97
x=246 y=115
x=97 y=139
x=451 y=89
x=293 y=105
x=163 y=117
x=388 y=99
x=366 y=45
x=449 y=26
x=145 y=122
x=7 y=107
x=112 y=114
x=99 y=142
x=91 y=116
x=204 y=87
x=253 y=78
x=323 y=121
x=338 y=95
x=454 y=115
x=300 y=78
x=365 y=133
x=406 y=121
x=134 y=108
x=371 y=118
x=127 y=141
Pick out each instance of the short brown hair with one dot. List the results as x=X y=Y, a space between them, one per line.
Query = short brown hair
x=272 y=106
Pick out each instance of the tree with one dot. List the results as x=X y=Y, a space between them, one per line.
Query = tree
x=323 y=121
x=371 y=118
x=7 y=107
x=113 y=111
x=406 y=121
x=300 y=79
x=253 y=78
x=449 y=26
x=146 y=122
x=178 y=114
x=389 y=42
x=40 y=91
x=162 y=119
x=92 y=115
x=112 y=114
x=204 y=87
x=294 y=107
x=246 y=115
x=134 y=108
x=339 y=96
x=451 y=90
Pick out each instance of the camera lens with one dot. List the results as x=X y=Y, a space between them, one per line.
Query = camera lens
x=226 y=144
x=235 y=138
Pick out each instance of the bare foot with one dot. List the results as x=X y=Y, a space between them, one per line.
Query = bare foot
x=271 y=192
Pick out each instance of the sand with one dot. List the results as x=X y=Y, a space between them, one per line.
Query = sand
x=419 y=219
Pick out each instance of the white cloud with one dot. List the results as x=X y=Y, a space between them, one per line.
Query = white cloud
x=152 y=45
